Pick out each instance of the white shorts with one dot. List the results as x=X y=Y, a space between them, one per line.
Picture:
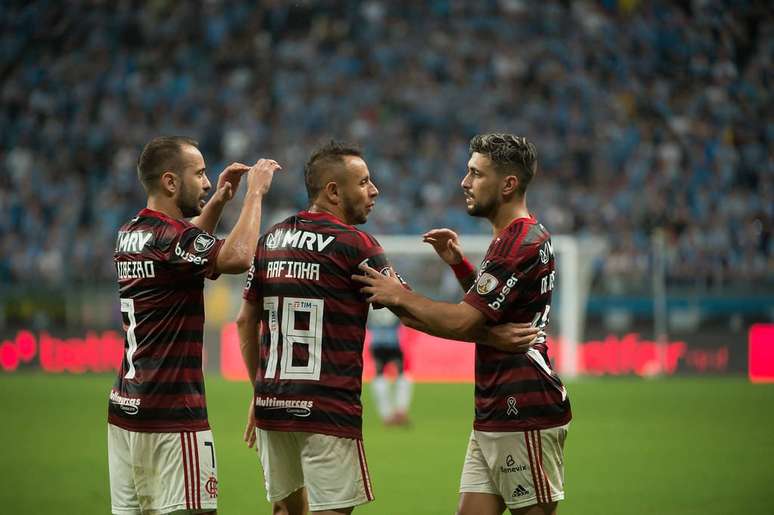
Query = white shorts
x=333 y=469
x=524 y=468
x=157 y=473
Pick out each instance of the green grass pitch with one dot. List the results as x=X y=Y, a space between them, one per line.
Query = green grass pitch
x=669 y=446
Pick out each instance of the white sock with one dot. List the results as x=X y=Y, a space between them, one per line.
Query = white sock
x=404 y=387
x=381 y=390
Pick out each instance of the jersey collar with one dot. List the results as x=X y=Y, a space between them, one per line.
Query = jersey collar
x=321 y=215
x=529 y=219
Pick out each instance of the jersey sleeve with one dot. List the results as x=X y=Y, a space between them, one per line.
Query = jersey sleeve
x=498 y=284
x=252 y=289
x=195 y=251
x=373 y=255
x=370 y=253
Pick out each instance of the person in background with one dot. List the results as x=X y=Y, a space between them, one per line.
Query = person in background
x=385 y=349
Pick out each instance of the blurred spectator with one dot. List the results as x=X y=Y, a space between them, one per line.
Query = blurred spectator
x=646 y=114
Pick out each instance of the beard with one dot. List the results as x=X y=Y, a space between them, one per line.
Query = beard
x=354 y=217
x=482 y=209
x=188 y=203
x=354 y=210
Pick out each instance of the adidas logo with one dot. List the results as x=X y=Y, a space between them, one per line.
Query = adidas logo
x=520 y=490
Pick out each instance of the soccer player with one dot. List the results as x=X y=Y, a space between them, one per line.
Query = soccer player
x=306 y=364
x=515 y=452
x=160 y=447
x=386 y=349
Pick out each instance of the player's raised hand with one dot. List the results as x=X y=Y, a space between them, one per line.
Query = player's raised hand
x=446 y=244
x=249 y=435
x=513 y=338
x=379 y=288
x=228 y=181
x=260 y=175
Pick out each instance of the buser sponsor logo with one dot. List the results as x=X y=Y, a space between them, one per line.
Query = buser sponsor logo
x=509 y=284
x=187 y=256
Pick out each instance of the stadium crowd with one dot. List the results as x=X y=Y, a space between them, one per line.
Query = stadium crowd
x=646 y=115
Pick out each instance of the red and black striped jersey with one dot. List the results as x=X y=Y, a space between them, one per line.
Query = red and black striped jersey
x=517 y=392
x=161 y=264
x=312 y=324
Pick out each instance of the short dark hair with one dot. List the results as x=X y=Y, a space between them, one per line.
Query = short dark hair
x=509 y=154
x=324 y=158
x=160 y=154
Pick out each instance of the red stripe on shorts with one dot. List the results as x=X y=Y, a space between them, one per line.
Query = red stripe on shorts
x=542 y=470
x=185 y=470
x=364 y=470
x=195 y=471
x=191 y=471
x=532 y=467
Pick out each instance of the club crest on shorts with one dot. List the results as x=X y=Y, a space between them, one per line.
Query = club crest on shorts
x=204 y=242
x=211 y=487
x=486 y=283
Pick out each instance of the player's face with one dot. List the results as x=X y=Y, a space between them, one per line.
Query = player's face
x=481 y=186
x=194 y=183
x=358 y=193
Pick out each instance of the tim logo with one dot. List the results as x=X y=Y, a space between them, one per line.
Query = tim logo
x=211 y=487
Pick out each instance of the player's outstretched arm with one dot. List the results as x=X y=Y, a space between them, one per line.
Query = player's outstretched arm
x=228 y=182
x=454 y=321
x=236 y=255
x=247 y=328
x=447 y=245
x=515 y=338
x=510 y=337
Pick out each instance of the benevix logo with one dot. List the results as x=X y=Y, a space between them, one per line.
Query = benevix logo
x=509 y=284
x=132 y=241
x=313 y=241
x=128 y=405
x=511 y=466
x=187 y=256
x=519 y=491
